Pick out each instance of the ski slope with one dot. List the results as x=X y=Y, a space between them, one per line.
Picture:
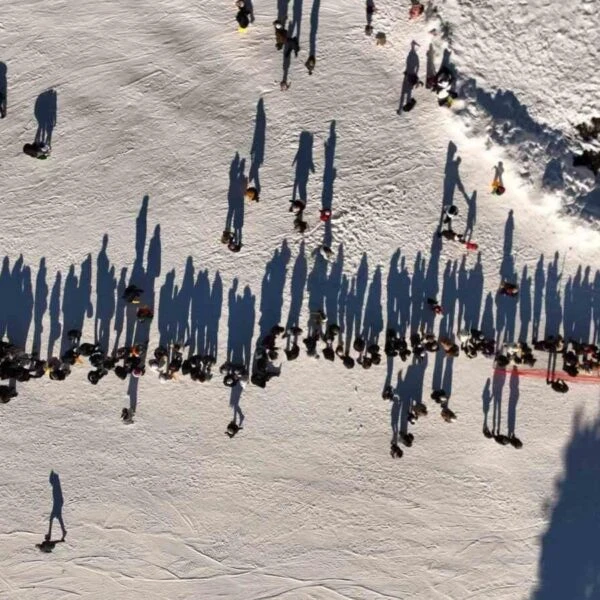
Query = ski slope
x=161 y=109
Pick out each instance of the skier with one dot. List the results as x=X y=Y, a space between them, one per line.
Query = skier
x=310 y=64
x=508 y=289
x=281 y=34
x=450 y=212
x=232 y=429
x=132 y=294
x=251 y=194
x=435 y=306
x=48 y=545
x=37 y=150
x=243 y=15
x=497 y=188
x=144 y=313
x=416 y=9
x=325 y=215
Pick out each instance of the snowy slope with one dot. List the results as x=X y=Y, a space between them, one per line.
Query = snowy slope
x=154 y=103
x=530 y=75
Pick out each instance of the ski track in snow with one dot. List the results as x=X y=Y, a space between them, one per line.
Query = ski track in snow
x=155 y=99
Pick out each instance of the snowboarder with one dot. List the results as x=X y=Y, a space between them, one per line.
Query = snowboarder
x=39 y=150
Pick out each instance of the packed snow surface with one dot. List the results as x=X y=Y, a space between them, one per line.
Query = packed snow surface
x=162 y=108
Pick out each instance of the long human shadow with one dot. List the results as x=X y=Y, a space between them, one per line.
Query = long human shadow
x=525 y=305
x=174 y=307
x=430 y=69
x=106 y=285
x=299 y=274
x=54 y=313
x=40 y=304
x=355 y=300
x=314 y=27
x=506 y=307
x=16 y=305
x=373 y=318
x=3 y=90
x=294 y=28
x=45 y=110
x=57 y=505
x=538 y=296
x=144 y=273
x=487 y=318
x=398 y=303
x=257 y=151
x=120 y=308
x=552 y=299
x=407 y=393
x=304 y=166
x=398 y=294
x=273 y=285
x=418 y=293
x=486 y=400
x=569 y=562
x=282 y=11
x=513 y=399
x=241 y=325
x=329 y=171
x=205 y=313
x=430 y=285
x=452 y=179
x=234 y=221
x=444 y=364
x=471 y=214
x=411 y=70
x=596 y=309
x=578 y=304
x=76 y=301
x=470 y=290
x=498 y=381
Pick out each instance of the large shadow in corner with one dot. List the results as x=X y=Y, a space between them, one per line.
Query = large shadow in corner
x=45 y=112
x=569 y=561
